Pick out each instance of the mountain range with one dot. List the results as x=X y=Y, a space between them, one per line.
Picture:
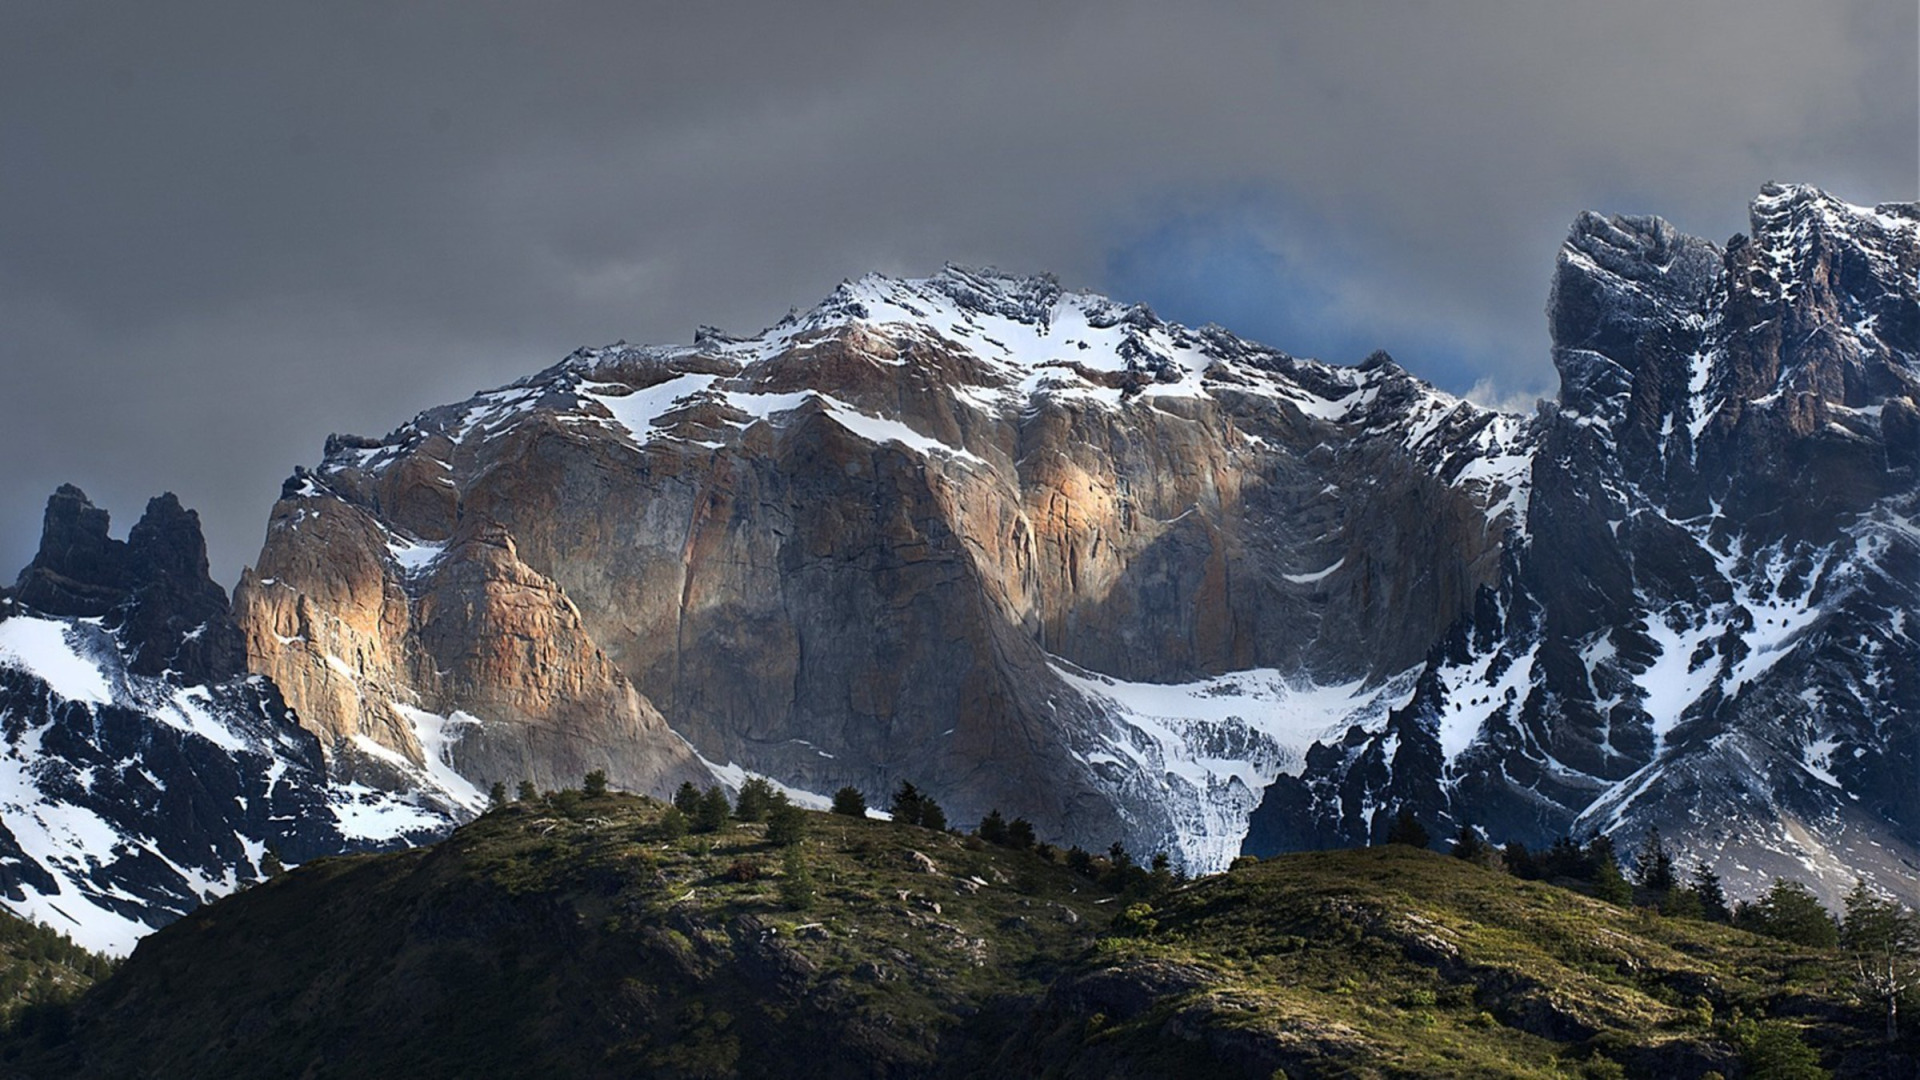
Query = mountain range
x=1038 y=551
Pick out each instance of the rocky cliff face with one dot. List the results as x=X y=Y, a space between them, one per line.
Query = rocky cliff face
x=1039 y=551
x=395 y=649
x=1703 y=625
x=1029 y=549
x=142 y=770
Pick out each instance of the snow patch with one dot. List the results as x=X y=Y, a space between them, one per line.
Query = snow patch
x=1209 y=749
x=43 y=648
x=735 y=777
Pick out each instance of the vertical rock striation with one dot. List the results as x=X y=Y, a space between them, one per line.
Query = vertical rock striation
x=1027 y=548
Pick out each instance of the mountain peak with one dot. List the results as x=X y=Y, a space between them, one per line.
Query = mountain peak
x=1790 y=214
x=79 y=570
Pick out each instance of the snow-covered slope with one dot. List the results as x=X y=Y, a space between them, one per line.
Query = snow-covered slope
x=128 y=798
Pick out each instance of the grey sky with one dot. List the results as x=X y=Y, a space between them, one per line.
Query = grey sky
x=226 y=230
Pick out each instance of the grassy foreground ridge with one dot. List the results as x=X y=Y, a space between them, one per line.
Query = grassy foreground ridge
x=590 y=936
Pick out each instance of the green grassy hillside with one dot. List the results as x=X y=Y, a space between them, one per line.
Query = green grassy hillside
x=578 y=938
x=1393 y=961
x=42 y=973
x=536 y=942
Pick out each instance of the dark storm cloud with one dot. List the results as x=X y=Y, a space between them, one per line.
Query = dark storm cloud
x=228 y=230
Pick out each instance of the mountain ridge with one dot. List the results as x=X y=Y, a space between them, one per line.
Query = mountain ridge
x=1040 y=551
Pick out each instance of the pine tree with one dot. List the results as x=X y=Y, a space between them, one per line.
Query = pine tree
x=711 y=812
x=993 y=828
x=527 y=792
x=907 y=804
x=1789 y=911
x=849 y=802
x=271 y=864
x=796 y=880
x=1020 y=834
x=497 y=794
x=1406 y=829
x=1599 y=852
x=786 y=825
x=596 y=783
x=687 y=798
x=1610 y=884
x=1653 y=866
x=1160 y=869
x=1713 y=898
x=931 y=816
x=1519 y=861
x=1563 y=859
x=1682 y=902
x=1882 y=937
x=1080 y=860
x=756 y=799
x=1470 y=846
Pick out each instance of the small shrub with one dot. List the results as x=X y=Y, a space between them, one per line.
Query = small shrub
x=1601 y=1067
x=796 y=880
x=743 y=871
x=1136 y=921
x=1772 y=1050
x=673 y=824
x=786 y=825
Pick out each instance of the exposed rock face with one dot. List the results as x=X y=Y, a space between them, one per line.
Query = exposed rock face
x=1703 y=626
x=940 y=530
x=152 y=589
x=142 y=770
x=444 y=659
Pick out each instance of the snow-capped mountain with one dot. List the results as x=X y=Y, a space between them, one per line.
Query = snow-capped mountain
x=1704 y=624
x=143 y=771
x=1039 y=551
x=1030 y=549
